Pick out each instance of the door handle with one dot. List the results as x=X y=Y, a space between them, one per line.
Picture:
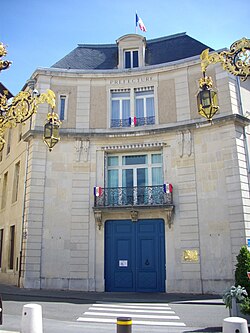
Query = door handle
x=147 y=262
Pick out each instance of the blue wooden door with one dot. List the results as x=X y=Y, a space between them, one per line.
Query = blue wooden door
x=135 y=256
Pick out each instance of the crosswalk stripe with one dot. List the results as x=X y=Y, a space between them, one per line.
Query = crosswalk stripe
x=149 y=314
x=134 y=322
x=130 y=310
x=133 y=306
x=128 y=314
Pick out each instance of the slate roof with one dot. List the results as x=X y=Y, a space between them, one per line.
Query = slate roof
x=158 y=51
x=2 y=88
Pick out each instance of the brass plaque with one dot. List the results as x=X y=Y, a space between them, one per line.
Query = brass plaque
x=190 y=255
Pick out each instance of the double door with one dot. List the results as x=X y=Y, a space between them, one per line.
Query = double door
x=135 y=256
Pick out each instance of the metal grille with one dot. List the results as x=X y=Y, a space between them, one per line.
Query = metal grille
x=134 y=196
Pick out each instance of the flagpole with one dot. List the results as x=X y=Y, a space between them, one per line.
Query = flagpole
x=136 y=22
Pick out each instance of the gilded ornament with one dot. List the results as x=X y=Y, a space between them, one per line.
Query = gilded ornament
x=23 y=106
x=190 y=255
x=4 y=64
x=236 y=61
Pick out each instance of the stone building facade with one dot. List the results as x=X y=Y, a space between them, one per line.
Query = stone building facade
x=141 y=194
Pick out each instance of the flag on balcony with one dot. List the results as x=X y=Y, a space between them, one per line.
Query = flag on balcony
x=132 y=121
x=97 y=191
x=168 y=188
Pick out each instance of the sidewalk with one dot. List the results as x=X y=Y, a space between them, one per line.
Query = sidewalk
x=106 y=296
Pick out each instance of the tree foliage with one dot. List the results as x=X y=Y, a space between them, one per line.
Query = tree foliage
x=242 y=267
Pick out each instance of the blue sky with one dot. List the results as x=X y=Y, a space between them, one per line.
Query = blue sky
x=39 y=33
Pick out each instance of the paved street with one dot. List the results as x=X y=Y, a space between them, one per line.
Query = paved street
x=149 y=314
x=90 y=312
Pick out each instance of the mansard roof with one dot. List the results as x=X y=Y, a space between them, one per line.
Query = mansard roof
x=158 y=51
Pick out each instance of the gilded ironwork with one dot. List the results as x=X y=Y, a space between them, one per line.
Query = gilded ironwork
x=190 y=255
x=4 y=64
x=206 y=81
x=22 y=106
x=236 y=61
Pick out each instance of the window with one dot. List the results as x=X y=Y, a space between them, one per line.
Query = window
x=4 y=191
x=20 y=126
x=139 y=112
x=120 y=109
x=16 y=182
x=1 y=247
x=62 y=107
x=137 y=174
x=131 y=51
x=9 y=142
x=131 y=59
x=144 y=108
x=12 y=247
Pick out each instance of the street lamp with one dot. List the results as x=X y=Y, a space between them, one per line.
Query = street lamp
x=207 y=98
x=51 y=130
x=22 y=106
x=236 y=61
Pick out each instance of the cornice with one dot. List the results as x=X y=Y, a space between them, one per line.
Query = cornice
x=139 y=132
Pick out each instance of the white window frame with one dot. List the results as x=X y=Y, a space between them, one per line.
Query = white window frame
x=65 y=97
x=149 y=94
x=16 y=182
x=149 y=165
x=120 y=99
x=131 y=51
x=132 y=97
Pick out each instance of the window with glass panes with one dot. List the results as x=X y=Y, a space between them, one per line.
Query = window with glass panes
x=131 y=59
x=12 y=247
x=4 y=190
x=132 y=107
x=62 y=107
x=144 y=107
x=120 y=108
x=136 y=174
x=16 y=182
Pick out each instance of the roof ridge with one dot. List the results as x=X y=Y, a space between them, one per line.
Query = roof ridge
x=180 y=34
x=96 y=45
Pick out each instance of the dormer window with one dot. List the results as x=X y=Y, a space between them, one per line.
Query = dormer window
x=131 y=51
x=131 y=59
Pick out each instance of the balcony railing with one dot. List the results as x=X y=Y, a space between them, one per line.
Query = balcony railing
x=135 y=121
x=145 y=121
x=133 y=196
x=120 y=123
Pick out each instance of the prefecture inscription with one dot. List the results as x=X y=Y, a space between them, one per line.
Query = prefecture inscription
x=132 y=80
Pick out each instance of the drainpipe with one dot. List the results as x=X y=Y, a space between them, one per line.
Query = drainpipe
x=244 y=129
x=23 y=215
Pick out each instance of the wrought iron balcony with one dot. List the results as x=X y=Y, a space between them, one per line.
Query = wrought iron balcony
x=136 y=122
x=142 y=196
x=145 y=121
x=120 y=123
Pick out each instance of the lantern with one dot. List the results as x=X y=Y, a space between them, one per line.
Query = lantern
x=51 y=130
x=207 y=99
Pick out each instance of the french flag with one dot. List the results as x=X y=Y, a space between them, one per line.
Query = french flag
x=132 y=121
x=139 y=22
x=168 y=188
x=97 y=191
